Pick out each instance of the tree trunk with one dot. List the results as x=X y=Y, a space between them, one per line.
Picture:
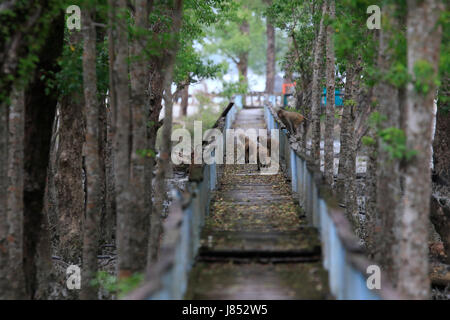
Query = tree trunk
x=344 y=134
x=372 y=217
x=350 y=157
x=389 y=194
x=155 y=102
x=122 y=146
x=94 y=173
x=111 y=206
x=109 y=222
x=440 y=210
x=270 y=60
x=107 y=218
x=242 y=65
x=5 y=290
x=329 y=122
x=441 y=143
x=15 y=194
x=69 y=178
x=139 y=219
x=184 y=100
x=164 y=158
x=316 y=90
x=306 y=110
x=424 y=39
x=39 y=115
x=440 y=216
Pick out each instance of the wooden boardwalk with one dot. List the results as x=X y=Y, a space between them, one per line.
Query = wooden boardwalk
x=255 y=243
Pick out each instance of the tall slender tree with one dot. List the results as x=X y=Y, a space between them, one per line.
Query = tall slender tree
x=68 y=180
x=424 y=40
x=122 y=144
x=270 y=56
x=94 y=172
x=330 y=75
x=138 y=220
x=389 y=194
x=15 y=193
x=164 y=157
x=316 y=88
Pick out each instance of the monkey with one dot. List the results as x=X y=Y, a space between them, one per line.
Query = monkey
x=267 y=151
x=292 y=120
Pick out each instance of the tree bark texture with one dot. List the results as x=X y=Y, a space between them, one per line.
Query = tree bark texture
x=69 y=178
x=424 y=39
x=94 y=172
x=122 y=146
x=270 y=57
x=164 y=158
x=39 y=115
x=389 y=193
x=329 y=122
x=138 y=219
x=316 y=90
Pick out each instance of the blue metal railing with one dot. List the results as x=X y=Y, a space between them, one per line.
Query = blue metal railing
x=345 y=263
x=169 y=278
x=342 y=257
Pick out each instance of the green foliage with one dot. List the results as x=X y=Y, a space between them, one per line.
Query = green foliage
x=14 y=21
x=198 y=16
x=444 y=64
x=397 y=75
x=191 y=68
x=350 y=103
x=392 y=140
x=227 y=39
x=322 y=117
x=146 y=153
x=376 y=119
x=353 y=40
x=424 y=77
x=70 y=77
x=368 y=141
x=298 y=21
x=120 y=287
x=337 y=114
x=230 y=89
x=102 y=67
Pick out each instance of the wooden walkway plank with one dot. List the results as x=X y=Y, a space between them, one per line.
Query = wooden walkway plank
x=255 y=243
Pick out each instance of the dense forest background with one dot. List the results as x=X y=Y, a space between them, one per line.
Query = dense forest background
x=86 y=117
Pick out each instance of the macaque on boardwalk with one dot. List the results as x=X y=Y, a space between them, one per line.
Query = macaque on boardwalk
x=292 y=120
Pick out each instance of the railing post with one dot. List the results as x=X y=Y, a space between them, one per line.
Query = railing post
x=324 y=234
x=196 y=209
x=298 y=165
x=315 y=207
x=293 y=171
x=347 y=279
x=300 y=180
x=238 y=101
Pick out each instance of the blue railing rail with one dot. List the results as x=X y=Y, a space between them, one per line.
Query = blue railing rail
x=168 y=277
x=342 y=255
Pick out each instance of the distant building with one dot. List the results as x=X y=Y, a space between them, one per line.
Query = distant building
x=278 y=84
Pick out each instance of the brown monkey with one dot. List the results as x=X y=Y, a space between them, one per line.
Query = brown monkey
x=292 y=120
x=249 y=144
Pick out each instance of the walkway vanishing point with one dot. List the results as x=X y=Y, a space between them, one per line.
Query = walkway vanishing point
x=255 y=243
